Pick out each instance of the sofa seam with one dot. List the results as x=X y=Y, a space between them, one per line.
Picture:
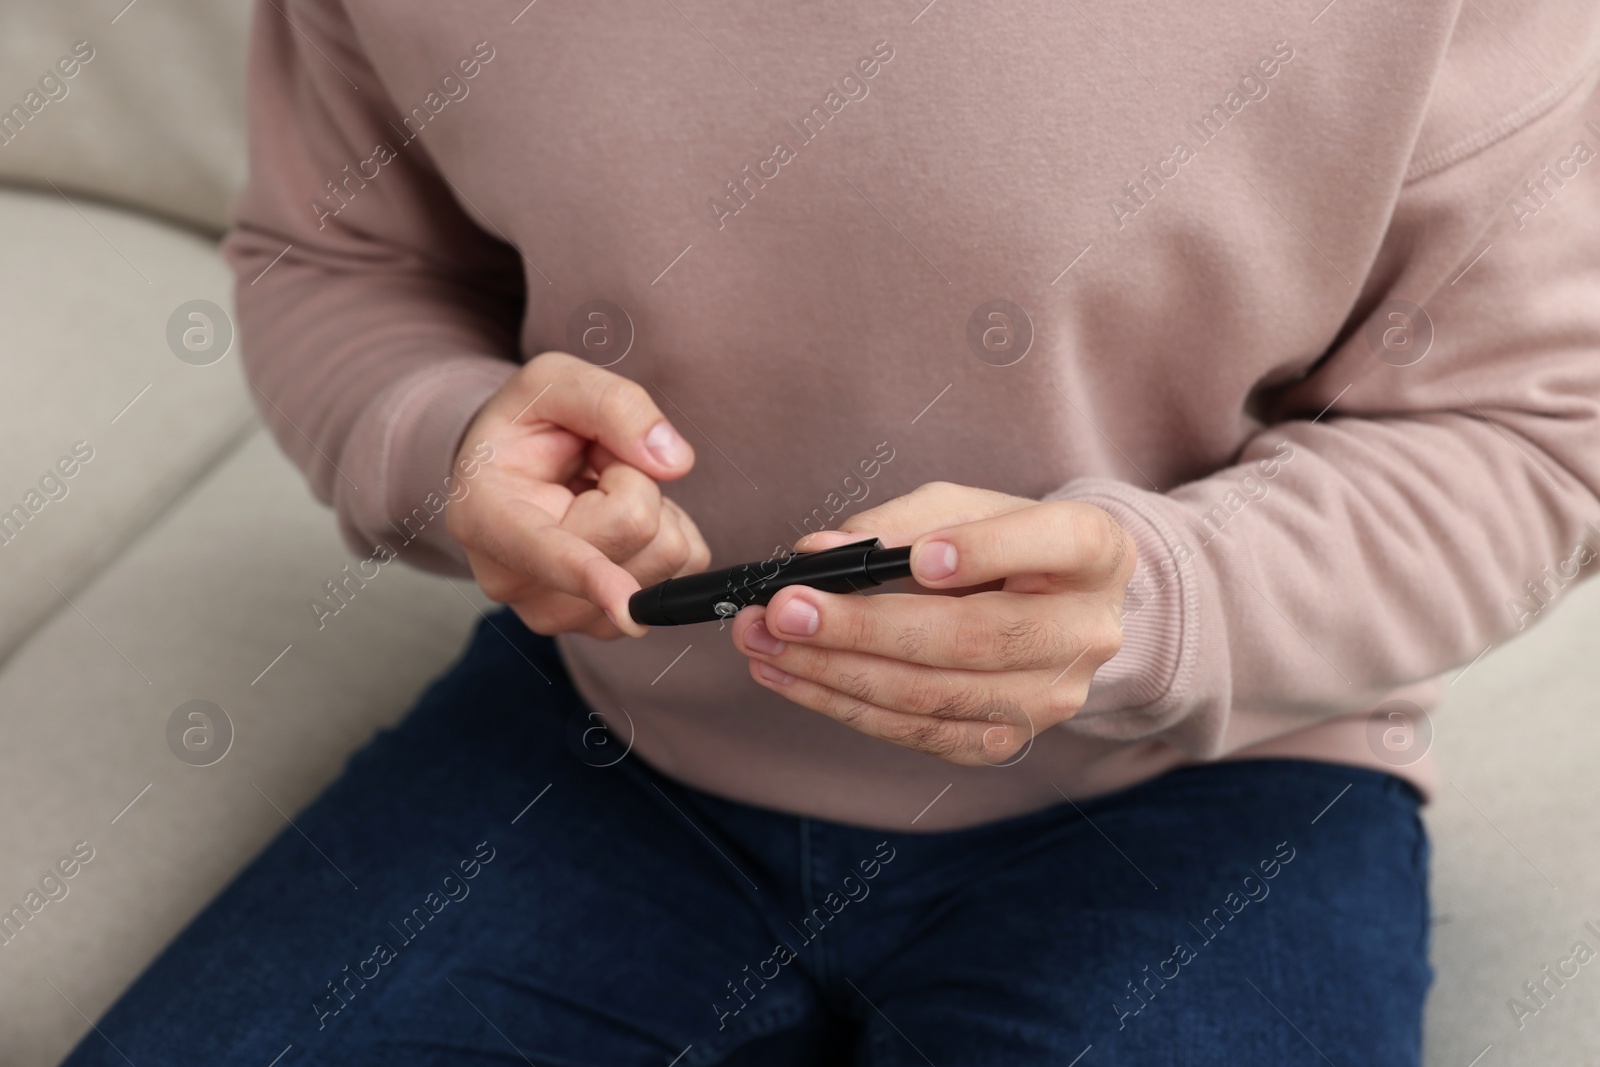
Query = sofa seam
x=140 y=523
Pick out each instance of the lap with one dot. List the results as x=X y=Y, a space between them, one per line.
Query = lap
x=422 y=912
x=1215 y=916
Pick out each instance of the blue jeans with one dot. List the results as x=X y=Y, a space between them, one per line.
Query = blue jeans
x=525 y=895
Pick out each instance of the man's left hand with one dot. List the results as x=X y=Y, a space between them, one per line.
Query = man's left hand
x=968 y=678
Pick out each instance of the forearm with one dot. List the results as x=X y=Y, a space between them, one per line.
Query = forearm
x=1383 y=527
x=371 y=338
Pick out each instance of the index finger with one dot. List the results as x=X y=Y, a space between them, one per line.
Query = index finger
x=905 y=518
x=603 y=406
x=1066 y=539
x=990 y=631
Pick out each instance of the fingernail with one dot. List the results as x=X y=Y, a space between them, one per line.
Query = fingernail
x=760 y=638
x=663 y=442
x=936 y=560
x=773 y=674
x=798 y=617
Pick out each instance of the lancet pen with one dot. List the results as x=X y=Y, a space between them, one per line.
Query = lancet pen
x=714 y=595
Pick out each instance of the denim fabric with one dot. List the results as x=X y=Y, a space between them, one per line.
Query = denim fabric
x=1266 y=912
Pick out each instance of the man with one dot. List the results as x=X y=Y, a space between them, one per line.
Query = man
x=1225 y=399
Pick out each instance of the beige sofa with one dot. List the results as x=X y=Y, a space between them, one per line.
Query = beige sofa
x=175 y=563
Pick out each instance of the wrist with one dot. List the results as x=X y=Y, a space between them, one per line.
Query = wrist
x=412 y=447
x=1146 y=667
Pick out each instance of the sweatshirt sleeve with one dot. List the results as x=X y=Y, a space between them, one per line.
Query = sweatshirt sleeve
x=1394 y=516
x=375 y=318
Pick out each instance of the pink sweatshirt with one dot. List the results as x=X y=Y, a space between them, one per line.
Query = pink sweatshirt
x=1309 y=301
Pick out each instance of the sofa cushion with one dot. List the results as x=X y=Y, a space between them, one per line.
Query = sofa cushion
x=154 y=119
x=86 y=294
x=211 y=603
x=1516 y=875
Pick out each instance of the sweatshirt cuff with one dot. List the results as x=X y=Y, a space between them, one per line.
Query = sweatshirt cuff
x=1172 y=678
x=1157 y=624
x=401 y=452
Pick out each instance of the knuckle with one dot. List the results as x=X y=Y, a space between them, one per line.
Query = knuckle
x=623 y=402
x=672 y=545
x=925 y=693
x=858 y=626
x=650 y=568
x=1012 y=728
x=677 y=558
x=591 y=575
x=548 y=357
x=635 y=523
x=956 y=703
x=548 y=367
x=1025 y=642
x=973 y=637
x=1099 y=543
x=913 y=641
x=1091 y=536
x=1001 y=711
x=851 y=712
x=544 y=364
x=1001 y=744
x=1111 y=643
x=1062 y=700
x=858 y=687
x=934 y=737
x=1104 y=641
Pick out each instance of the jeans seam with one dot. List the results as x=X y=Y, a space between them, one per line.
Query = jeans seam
x=808 y=854
x=775 y=1019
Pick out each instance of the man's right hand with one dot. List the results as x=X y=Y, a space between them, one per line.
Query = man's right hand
x=566 y=521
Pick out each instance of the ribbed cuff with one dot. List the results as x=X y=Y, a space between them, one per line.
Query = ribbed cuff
x=400 y=454
x=1146 y=669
